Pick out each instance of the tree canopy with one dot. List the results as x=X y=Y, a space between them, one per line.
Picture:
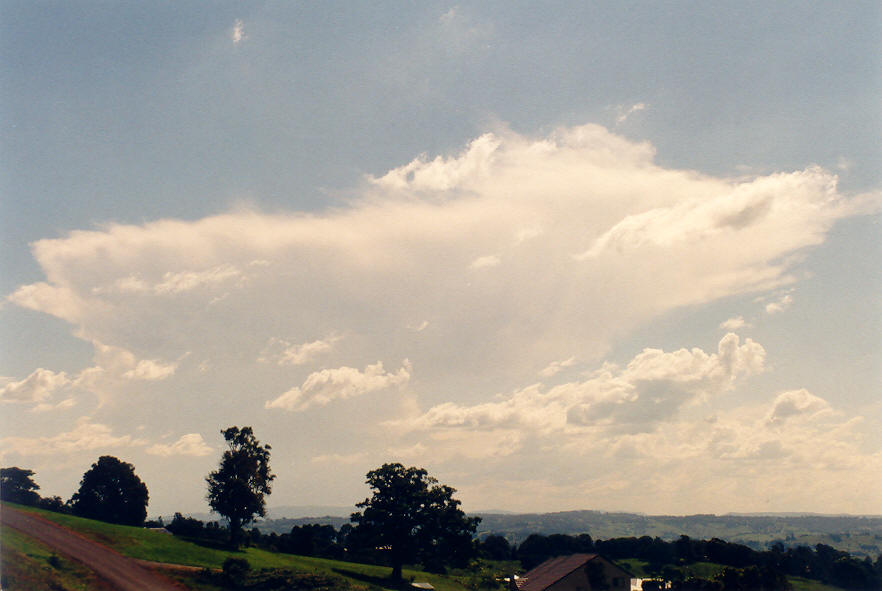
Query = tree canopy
x=17 y=486
x=416 y=518
x=237 y=489
x=111 y=491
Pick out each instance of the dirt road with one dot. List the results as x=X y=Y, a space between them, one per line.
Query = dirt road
x=123 y=573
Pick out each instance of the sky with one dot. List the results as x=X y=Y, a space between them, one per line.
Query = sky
x=613 y=256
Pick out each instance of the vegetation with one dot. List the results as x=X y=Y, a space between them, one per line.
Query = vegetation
x=17 y=486
x=416 y=518
x=111 y=491
x=237 y=489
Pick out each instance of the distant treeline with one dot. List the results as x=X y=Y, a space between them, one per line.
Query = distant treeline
x=748 y=568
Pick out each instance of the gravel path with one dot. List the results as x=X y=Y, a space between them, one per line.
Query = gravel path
x=123 y=573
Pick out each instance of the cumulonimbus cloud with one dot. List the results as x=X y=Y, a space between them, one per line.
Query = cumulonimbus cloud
x=516 y=241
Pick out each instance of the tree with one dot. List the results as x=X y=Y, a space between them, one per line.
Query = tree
x=237 y=488
x=111 y=491
x=17 y=486
x=415 y=518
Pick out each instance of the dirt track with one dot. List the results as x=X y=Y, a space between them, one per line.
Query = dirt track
x=122 y=573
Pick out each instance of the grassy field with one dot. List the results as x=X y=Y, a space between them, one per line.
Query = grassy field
x=144 y=544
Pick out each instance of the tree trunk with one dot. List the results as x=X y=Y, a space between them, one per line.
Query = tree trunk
x=396 y=569
x=235 y=532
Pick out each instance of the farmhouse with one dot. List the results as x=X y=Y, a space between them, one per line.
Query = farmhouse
x=576 y=572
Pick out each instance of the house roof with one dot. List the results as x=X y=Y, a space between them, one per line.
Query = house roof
x=551 y=571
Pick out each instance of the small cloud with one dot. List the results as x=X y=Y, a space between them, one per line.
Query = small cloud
x=151 y=370
x=37 y=387
x=284 y=353
x=239 y=32
x=525 y=234
x=779 y=305
x=341 y=383
x=735 y=323
x=844 y=164
x=190 y=444
x=419 y=327
x=624 y=113
x=483 y=262
x=449 y=16
x=346 y=459
x=84 y=437
x=556 y=366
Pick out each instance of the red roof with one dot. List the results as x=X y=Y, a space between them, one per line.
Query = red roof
x=551 y=571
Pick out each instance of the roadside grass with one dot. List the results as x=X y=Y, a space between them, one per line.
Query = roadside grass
x=27 y=564
x=144 y=544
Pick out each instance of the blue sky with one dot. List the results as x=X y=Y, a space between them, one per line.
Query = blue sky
x=564 y=256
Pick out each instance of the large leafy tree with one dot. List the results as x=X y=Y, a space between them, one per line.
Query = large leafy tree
x=17 y=486
x=237 y=489
x=111 y=491
x=416 y=518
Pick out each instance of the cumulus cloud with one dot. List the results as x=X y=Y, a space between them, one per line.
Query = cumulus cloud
x=190 y=444
x=651 y=388
x=86 y=436
x=326 y=385
x=282 y=352
x=795 y=403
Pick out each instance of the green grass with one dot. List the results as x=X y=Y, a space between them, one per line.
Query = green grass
x=27 y=564
x=137 y=542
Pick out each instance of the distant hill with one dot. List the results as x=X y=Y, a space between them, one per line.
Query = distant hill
x=861 y=535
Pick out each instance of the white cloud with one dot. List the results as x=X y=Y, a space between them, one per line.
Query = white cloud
x=735 y=323
x=779 y=305
x=657 y=239
x=190 y=444
x=85 y=436
x=323 y=386
x=282 y=352
x=238 y=34
x=652 y=388
x=37 y=387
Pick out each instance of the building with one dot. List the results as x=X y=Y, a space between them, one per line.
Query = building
x=576 y=572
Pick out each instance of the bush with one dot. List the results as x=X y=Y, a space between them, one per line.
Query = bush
x=236 y=571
